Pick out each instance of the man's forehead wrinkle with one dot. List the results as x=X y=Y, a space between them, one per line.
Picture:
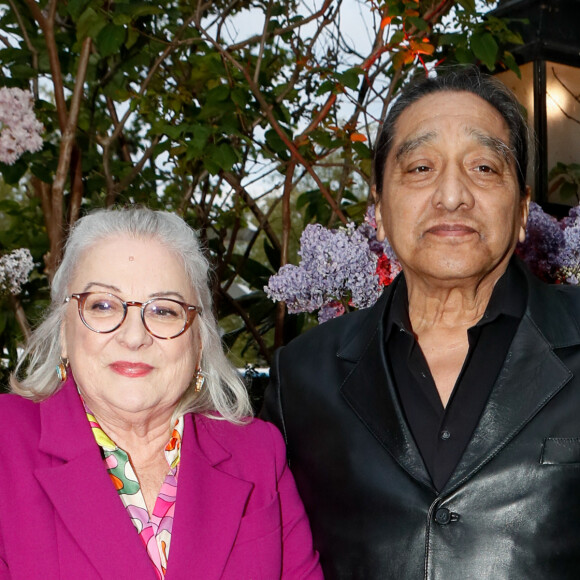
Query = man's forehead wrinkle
x=493 y=143
x=413 y=143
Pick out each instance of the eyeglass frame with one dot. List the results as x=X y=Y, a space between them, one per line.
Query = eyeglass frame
x=191 y=310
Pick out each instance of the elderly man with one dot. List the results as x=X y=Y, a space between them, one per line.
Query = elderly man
x=436 y=435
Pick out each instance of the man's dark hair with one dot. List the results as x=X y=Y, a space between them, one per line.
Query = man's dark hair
x=464 y=79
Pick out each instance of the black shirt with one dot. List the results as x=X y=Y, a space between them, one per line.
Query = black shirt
x=442 y=433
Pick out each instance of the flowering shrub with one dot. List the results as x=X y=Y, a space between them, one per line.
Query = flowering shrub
x=338 y=270
x=14 y=270
x=552 y=247
x=348 y=268
x=20 y=130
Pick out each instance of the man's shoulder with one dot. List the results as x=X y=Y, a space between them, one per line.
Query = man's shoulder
x=330 y=335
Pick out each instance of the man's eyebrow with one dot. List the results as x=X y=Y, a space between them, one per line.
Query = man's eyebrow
x=494 y=143
x=413 y=143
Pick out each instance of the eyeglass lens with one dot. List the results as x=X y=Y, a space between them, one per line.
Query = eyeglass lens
x=162 y=317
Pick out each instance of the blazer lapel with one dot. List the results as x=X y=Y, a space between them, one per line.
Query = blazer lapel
x=82 y=494
x=532 y=374
x=209 y=507
x=370 y=391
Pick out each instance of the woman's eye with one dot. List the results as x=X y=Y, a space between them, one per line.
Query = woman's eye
x=103 y=308
x=166 y=312
x=419 y=169
x=485 y=169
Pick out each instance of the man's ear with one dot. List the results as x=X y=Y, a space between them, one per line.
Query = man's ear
x=525 y=209
x=378 y=214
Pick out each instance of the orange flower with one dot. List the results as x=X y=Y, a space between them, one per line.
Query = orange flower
x=357 y=137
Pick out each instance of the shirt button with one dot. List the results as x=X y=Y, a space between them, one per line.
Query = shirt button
x=445 y=435
x=442 y=516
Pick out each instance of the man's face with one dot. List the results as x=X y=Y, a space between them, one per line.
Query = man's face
x=450 y=205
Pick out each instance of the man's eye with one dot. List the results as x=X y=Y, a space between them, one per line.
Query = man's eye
x=419 y=169
x=485 y=169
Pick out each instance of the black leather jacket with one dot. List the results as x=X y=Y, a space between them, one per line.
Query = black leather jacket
x=511 y=509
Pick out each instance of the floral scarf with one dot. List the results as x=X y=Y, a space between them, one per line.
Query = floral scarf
x=155 y=532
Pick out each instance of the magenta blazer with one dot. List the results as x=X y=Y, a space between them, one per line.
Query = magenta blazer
x=237 y=514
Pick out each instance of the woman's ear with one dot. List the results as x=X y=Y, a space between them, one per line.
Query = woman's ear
x=63 y=345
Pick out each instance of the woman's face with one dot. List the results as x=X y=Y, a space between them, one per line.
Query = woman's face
x=128 y=374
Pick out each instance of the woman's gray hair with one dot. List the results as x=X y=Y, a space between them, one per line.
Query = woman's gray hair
x=223 y=395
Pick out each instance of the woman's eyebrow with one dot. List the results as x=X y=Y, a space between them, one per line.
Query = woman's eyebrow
x=102 y=284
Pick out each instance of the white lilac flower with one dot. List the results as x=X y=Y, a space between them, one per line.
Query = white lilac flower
x=20 y=130
x=15 y=269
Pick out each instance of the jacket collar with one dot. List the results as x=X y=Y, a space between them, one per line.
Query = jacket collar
x=370 y=391
x=531 y=364
x=82 y=494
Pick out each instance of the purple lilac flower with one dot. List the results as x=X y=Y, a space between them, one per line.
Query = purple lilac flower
x=335 y=266
x=15 y=269
x=569 y=257
x=20 y=130
x=330 y=310
x=543 y=244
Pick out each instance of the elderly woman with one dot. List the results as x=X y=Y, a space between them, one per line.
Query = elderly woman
x=125 y=449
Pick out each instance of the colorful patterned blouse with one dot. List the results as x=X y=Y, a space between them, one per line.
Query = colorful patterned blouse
x=155 y=532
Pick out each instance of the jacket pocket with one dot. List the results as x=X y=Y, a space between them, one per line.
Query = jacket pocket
x=560 y=450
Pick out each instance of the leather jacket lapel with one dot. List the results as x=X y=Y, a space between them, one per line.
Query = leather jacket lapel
x=532 y=374
x=370 y=391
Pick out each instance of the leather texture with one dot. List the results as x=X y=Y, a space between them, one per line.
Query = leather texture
x=237 y=513
x=510 y=510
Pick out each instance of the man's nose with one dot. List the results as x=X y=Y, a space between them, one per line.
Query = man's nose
x=453 y=189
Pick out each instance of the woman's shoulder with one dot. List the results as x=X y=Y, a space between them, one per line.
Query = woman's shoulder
x=18 y=416
x=15 y=407
x=252 y=431
x=253 y=443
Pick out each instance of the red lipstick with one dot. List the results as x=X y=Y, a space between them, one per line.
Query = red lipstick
x=131 y=369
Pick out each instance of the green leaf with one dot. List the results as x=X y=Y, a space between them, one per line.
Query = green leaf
x=76 y=7
x=110 y=39
x=326 y=87
x=273 y=255
x=485 y=48
x=90 y=24
x=275 y=142
x=418 y=23
x=397 y=37
x=13 y=173
x=362 y=150
x=42 y=171
x=218 y=94
x=463 y=55
x=252 y=271
x=225 y=156
x=510 y=62
x=316 y=208
x=468 y=5
x=569 y=190
x=350 y=78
